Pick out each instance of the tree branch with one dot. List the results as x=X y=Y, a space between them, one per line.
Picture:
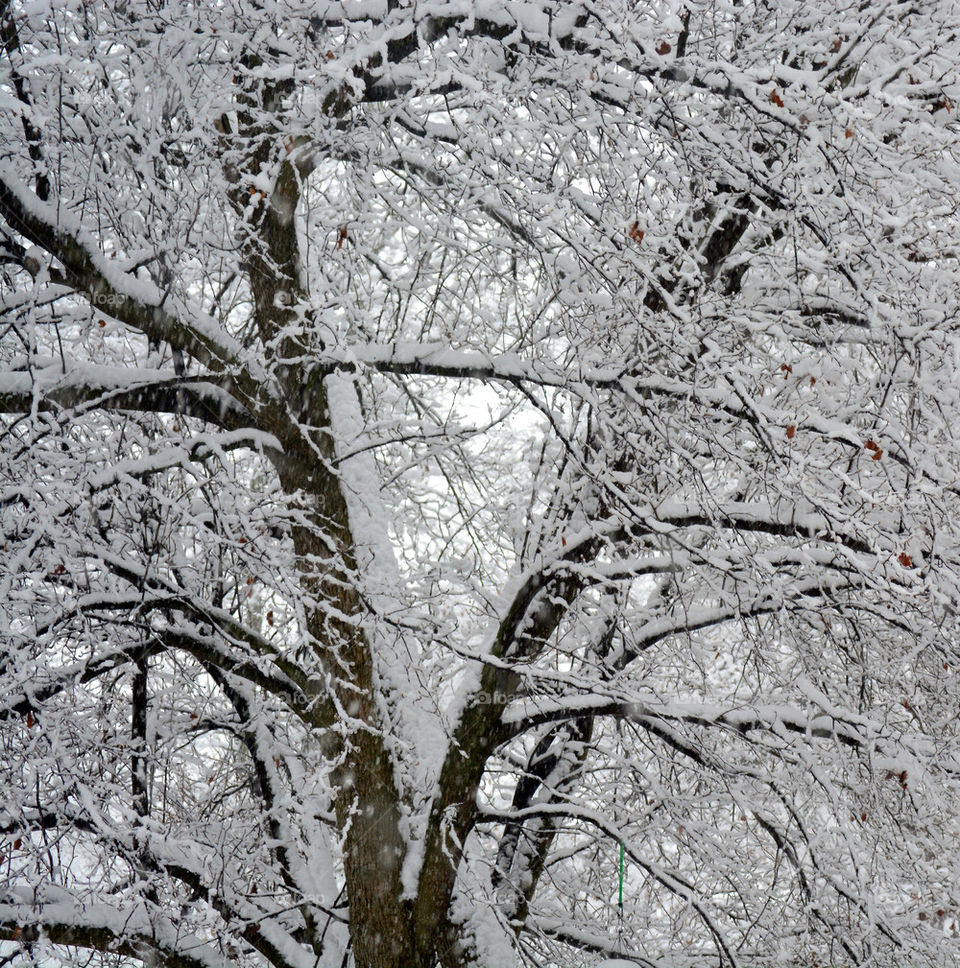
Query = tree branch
x=100 y=927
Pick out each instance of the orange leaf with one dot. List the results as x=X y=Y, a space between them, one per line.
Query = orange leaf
x=775 y=97
x=791 y=432
x=905 y=559
x=870 y=445
x=636 y=233
x=848 y=133
x=877 y=455
x=786 y=369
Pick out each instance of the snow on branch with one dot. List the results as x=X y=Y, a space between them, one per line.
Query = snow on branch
x=135 y=931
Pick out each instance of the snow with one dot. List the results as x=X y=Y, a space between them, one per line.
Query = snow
x=641 y=365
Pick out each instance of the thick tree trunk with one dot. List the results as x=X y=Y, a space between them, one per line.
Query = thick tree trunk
x=385 y=929
x=366 y=798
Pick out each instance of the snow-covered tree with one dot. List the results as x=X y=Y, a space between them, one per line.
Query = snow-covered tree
x=479 y=482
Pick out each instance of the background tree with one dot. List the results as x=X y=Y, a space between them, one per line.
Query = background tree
x=444 y=443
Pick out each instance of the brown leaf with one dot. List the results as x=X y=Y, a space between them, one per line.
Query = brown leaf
x=775 y=97
x=636 y=233
x=663 y=48
x=905 y=559
x=791 y=432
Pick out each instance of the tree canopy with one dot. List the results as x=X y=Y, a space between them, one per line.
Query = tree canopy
x=479 y=483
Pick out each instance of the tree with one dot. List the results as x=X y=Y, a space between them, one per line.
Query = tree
x=443 y=443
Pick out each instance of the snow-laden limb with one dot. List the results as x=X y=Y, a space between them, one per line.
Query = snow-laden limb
x=572 y=934
x=85 y=387
x=133 y=931
x=780 y=719
x=133 y=300
x=859 y=733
